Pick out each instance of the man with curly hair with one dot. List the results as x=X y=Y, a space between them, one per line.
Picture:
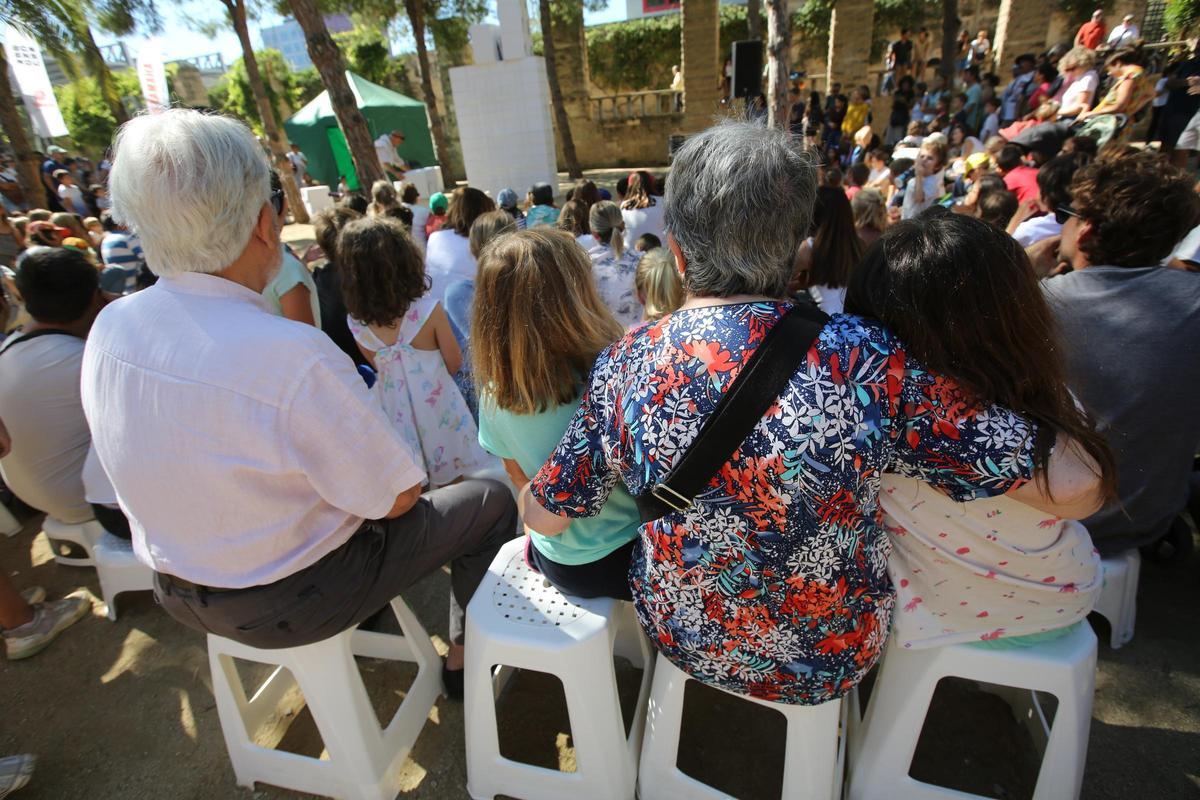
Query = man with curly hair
x=1130 y=331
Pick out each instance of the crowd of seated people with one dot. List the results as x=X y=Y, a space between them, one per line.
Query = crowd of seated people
x=1002 y=276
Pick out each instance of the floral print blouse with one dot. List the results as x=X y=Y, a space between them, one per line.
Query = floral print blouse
x=774 y=582
x=615 y=282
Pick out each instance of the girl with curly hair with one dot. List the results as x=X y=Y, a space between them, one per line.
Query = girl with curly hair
x=405 y=334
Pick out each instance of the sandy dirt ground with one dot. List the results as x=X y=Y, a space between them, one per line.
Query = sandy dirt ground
x=125 y=710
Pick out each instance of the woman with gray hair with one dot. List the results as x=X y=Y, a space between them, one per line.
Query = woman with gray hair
x=772 y=580
x=613 y=265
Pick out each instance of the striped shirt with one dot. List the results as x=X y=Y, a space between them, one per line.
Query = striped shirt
x=121 y=252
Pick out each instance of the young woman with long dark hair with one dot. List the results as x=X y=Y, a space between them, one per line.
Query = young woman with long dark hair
x=964 y=299
x=826 y=258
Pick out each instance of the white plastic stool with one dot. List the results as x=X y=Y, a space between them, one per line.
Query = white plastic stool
x=84 y=534
x=813 y=755
x=517 y=620
x=364 y=762
x=883 y=746
x=119 y=571
x=1118 y=596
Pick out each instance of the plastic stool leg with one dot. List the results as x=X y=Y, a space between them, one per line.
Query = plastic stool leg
x=811 y=752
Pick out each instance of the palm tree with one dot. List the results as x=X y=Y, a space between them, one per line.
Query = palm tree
x=42 y=20
x=275 y=138
x=779 y=45
x=327 y=58
x=561 y=120
x=81 y=34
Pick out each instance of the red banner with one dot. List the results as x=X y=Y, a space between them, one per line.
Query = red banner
x=655 y=6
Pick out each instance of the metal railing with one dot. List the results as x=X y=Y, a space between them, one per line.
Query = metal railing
x=635 y=105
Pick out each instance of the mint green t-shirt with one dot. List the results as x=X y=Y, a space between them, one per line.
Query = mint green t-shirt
x=529 y=439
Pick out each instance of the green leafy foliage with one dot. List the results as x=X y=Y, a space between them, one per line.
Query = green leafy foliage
x=285 y=87
x=87 y=116
x=1182 y=18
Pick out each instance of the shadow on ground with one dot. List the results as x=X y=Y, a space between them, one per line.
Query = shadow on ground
x=125 y=710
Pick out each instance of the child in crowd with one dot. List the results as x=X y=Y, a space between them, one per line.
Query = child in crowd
x=647 y=242
x=659 y=287
x=542 y=210
x=95 y=231
x=383 y=198
x=438 y=204
x=991 y=120
x=574 y=220
x=613 y=266
x=928 y=182
x=530 y=381
x=507 y=201
x=405 y=333
x=98 y=198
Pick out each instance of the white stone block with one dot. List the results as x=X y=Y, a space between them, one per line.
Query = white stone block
x=316 y=198
x=515 y=41
x=485 y=43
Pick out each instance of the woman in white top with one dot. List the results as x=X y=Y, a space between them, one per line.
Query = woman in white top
x=411 y=197
x=826 y=258
x=1079 y=83
x=614 y=265
x=964 y=299
x=448 y=256
x=641 y=210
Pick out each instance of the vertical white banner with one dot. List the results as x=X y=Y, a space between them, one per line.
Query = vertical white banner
x=29 y=73
x=152 y=74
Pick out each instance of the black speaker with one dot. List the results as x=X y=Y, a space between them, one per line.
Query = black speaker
x=747 y=68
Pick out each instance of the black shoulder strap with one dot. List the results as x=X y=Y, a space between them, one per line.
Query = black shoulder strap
x=756 y=388
x=25 y=337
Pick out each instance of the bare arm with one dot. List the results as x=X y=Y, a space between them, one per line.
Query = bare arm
x=404 y=502
x=515 y=474
x=1074 y=484
x=295 y=304
x=447 y=344
x=537 y=518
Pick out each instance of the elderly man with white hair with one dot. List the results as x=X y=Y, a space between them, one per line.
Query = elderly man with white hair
x=264 y=486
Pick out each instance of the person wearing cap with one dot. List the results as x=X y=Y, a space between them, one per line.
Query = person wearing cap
x=438 y=205
x=389 y=159
x=508 y=201
x=1125 y=34
x=46 y=234
x=1091 y=33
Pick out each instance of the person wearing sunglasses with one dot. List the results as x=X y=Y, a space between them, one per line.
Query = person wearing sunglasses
x=1040 y=218
x=1130 y=334
x=292 y=293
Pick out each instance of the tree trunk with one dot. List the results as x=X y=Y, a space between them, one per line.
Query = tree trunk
x=779 y=45
x=275 y=139
x=556 y=97
x=754 y=18
x=29 y=171
x=327 y=58
x=416 y=17
x=950 y=26
x=104 y=78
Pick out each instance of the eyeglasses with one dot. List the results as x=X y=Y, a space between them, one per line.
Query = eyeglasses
x=277 y=197
x=1063 y=212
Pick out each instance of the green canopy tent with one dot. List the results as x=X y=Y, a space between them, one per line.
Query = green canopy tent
x=315 y=129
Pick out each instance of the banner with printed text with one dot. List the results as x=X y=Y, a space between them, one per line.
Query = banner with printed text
x=152 y=74
x=33 y=84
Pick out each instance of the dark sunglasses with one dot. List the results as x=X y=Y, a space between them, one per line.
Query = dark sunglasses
x=277 y=200
x=1063 y=212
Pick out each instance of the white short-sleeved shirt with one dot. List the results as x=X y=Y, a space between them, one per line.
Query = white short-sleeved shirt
x=242 y=446
x=1035 y=229
x=448 y=260
x=644 y=220
x=40 y=406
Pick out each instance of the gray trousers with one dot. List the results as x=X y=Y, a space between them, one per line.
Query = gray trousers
x=464 y=525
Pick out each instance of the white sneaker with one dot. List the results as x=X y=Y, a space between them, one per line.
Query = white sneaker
x=49 y=620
